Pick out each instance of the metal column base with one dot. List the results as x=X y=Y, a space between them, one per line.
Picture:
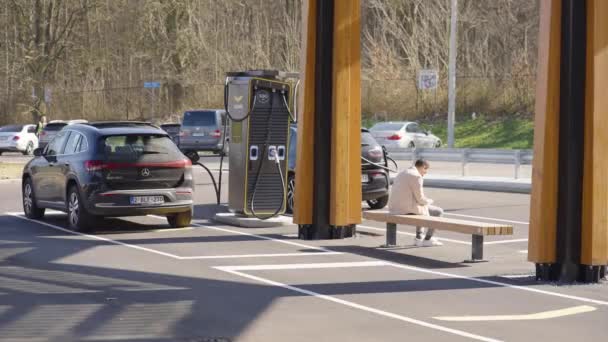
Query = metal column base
x=476 y=249
x=312 y=232
x=391 y=235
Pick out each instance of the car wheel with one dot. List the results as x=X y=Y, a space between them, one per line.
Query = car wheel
x=29 y=149
x=30 y=208
x=291 y=188
x=78 y=218
x=180 y=220
x=378 y=203
x=411 y=145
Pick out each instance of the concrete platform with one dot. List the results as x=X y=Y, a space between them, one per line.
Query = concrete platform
x=251 y=222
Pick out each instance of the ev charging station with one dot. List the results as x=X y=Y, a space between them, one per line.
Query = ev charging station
x=258 y=107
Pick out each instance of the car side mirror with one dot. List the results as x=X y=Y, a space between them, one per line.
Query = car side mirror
x=193 y=156
x=38 y=152
x=427 y=132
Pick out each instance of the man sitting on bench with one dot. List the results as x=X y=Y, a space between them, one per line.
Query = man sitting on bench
x=407 y=198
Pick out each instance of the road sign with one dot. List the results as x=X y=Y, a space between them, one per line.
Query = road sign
x=151 y=84
x=427 y=79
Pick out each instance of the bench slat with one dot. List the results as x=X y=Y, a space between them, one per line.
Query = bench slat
x=440 y=223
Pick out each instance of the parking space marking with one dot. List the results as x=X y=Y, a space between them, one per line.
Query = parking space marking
x=488 y=218
x=320 y=251
x=262 y=237
x=497 y=283
x=95 y=237
x=235 y=271
x=525 y=317
x=412 y=234
x=304 y=266
x=498 y=242
x=238 y=256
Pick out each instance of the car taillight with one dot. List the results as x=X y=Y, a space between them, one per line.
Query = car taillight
x=376 y=174
x=16 y=137
x=43 y=133
x=187 y=163
x=394 y=137
x=216 y=133
x=94 y=165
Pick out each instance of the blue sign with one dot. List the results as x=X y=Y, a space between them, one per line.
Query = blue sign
x=151 y=84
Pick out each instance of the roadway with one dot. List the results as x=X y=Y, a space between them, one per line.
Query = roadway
x=137 y=280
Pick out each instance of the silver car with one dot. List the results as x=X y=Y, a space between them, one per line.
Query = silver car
x=52 y=128
x=18 y=138
x=203 y=130
x=403 y=134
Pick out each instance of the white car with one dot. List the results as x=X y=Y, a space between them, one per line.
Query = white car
x=18 y=138
x=403 y=134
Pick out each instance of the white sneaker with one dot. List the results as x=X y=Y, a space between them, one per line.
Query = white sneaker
x=432 y=242
x=418 y=242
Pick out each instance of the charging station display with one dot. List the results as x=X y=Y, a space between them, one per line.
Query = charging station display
x=258 y=106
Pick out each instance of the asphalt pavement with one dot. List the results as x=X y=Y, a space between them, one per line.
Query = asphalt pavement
x=138 y=280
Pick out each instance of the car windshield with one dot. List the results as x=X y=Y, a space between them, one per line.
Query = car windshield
x=54 y=126
x=199 y=118
x=11 y=129
x=147 y=148
x=387 y=126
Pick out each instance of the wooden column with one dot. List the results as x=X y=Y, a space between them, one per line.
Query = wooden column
x=328 y=166
x=568 y=238
x=594 y=246
x=543 y=204
x=346 y=123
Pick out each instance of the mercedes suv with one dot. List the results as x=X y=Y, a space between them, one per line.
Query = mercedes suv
x=109 y=169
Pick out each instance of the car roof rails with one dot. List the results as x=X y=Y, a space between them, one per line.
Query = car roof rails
x=110 y=124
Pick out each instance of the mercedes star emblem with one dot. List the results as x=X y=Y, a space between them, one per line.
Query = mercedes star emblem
x=145 y=172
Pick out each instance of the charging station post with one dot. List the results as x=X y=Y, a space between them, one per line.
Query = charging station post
x=257 y=104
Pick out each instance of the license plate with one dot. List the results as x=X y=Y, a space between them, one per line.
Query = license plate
x=147 y=200
x=364 y=178
x=3 y=138
x=198 y=134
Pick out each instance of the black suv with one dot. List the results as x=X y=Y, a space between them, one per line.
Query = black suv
x=109 y=169
x=374 y=180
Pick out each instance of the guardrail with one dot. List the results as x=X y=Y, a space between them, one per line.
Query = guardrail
x=466 y=155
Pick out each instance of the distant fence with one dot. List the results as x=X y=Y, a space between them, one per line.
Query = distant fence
x=466 y=155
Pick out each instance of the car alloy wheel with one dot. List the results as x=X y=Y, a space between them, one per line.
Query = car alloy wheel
x=73 y=209
x=29 y=149
x=28 y=199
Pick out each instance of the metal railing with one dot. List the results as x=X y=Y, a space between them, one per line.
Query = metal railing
x=466 y=155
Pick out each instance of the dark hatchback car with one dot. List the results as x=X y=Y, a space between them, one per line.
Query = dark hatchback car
x=374 y=180
x=110 y=169
x=173 y=129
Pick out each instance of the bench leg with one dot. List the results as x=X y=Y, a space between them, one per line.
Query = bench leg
x=391 y=235
x=476 y=249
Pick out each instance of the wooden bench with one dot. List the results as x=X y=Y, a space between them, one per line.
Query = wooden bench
x=476 y=229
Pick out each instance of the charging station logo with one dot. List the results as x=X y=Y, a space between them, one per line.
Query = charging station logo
x=263 y=96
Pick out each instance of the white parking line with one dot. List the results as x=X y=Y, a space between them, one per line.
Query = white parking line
x=488 y=218
x=261 y=237
x=524 y=317
x=303 y=266
x=412 y=234
x=234 y=270
x=239 y=256
x=95 y=237
x=498 y=242
x=177 y=257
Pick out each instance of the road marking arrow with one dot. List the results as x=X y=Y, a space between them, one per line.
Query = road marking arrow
x=526 y=317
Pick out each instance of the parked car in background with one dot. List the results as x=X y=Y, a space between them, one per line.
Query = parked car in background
x=374 y=180
x=173 y=130
x=18 y=138
x=203 y=130
x=403 y=134
x=51 y=129
x=110 y=169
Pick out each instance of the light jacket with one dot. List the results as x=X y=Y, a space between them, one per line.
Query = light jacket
x=407 y=195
